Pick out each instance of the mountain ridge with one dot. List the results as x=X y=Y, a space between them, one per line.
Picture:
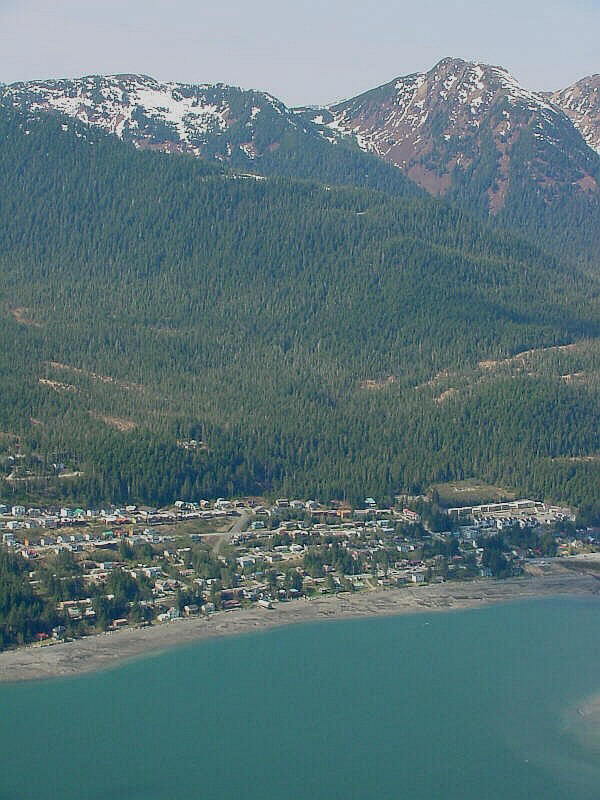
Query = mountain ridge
x=463 y=130
x=180 y=117
x=438 y=126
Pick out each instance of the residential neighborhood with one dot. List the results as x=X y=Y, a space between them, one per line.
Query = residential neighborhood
x=110 y=568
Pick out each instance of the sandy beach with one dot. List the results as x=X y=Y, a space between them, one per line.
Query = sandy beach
x=103 y=651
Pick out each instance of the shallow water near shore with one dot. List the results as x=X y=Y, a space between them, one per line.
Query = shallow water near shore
x=472 y=704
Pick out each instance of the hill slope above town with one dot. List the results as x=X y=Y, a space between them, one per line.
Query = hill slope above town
x=319 y=340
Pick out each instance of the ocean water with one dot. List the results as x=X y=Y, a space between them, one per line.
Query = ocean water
x=472 y=705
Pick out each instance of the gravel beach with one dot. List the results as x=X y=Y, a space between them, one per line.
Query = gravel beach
x=103 y=651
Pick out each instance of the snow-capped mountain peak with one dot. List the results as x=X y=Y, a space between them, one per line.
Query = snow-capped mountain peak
x=175 y=117
x=439 y=127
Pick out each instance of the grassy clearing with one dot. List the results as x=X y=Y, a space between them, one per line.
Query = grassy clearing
x=470 y=492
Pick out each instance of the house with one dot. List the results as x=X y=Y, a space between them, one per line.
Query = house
x=18 y=511
x=417 y=577
x=223 y=505
x=46 y=541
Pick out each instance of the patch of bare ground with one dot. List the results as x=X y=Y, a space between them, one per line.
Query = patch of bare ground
x=525 y=354
x=380 y=384
x=134 y=387
x=22 y=315
x=119 y=423
x=57 y=386
x=588 y=184
x=578 y=459
x=430 y=180
x=37 y=478
x=497 y=192
x=446 y=395
x=440 y=376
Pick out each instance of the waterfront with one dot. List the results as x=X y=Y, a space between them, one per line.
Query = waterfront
x=463 y=705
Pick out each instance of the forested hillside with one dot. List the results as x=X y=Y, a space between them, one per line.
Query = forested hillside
x=316 y=340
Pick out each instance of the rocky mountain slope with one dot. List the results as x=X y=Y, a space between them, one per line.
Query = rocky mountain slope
x=247 y=130
x=466 y=124
x=581 y=102
x=202 y=120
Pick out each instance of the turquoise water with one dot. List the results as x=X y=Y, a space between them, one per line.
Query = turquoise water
x=474 y=705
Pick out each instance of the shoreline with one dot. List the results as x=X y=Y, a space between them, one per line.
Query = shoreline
x=105 y=651
x=590 y=710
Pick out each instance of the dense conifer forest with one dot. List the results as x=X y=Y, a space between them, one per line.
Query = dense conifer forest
x=312 y=339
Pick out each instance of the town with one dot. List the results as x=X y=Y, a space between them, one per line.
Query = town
x=106 y=569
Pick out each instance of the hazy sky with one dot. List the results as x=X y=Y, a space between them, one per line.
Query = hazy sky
x=302 y=52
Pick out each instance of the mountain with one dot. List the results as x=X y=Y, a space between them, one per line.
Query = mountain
x=581 y=103
x=218 y=121
x=465 y=131
x=318 y=340
x=465 y=128
x=246 y=130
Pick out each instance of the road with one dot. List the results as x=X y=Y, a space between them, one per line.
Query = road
x=239 y=524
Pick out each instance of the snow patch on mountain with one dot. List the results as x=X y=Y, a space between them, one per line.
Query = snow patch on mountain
x=164 y=115
x=581 y=102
